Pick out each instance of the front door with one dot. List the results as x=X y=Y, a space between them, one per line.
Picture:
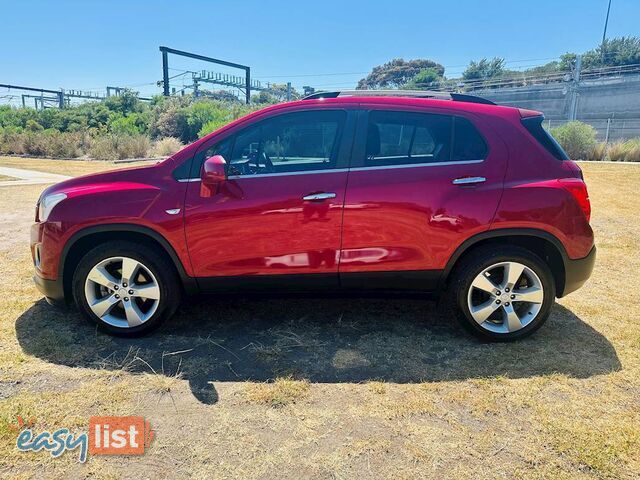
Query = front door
x=278 y=217
x=420 y=183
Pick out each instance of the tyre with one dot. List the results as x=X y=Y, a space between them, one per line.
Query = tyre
x=126 y=288
x=502 y=293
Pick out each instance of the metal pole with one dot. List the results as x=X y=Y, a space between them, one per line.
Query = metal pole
x=248 y=85
x=606 y=22
x=165 y=73
x=288 y=91
x=606 y=140
x=573 y=105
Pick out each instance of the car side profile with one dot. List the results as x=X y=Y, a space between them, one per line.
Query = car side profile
x=417 y=192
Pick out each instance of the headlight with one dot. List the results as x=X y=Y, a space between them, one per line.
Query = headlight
x=47 y=203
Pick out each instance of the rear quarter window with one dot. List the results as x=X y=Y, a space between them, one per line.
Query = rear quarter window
x=544 y=138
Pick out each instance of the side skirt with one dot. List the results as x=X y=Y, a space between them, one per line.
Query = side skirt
x=361 y=283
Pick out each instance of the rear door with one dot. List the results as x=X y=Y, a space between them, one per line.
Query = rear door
x=420 y=183
x=280 y=211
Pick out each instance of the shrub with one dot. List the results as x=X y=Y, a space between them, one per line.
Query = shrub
x=624 y=151
x=578 y=139
x=54 y=144
x=64 y=145
x=130 y=125
x=633 y=155
x=103 y=148
x=33 y=126
x=12 y=140
x=118 y=147
x=166 y=147
x=137 y=146
x=597 y=153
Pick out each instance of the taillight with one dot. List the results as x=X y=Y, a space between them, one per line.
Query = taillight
x=578 y=189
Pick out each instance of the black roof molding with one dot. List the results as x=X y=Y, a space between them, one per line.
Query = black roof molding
x=457 y=97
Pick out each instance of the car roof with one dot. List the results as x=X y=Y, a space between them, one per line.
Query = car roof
x=390 y=101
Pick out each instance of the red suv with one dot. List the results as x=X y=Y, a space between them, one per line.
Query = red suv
x=411 y=191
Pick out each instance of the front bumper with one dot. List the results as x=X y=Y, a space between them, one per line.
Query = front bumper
x=577 y=272
x=53 y=290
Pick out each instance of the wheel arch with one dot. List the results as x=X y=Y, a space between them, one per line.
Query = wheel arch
x=548 y=247
x=82 y=241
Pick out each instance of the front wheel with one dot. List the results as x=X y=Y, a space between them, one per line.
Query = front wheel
x=503 y=293
x=126 y=288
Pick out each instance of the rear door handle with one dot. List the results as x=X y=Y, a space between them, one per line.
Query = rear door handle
x=468 y=180
x=317 y=197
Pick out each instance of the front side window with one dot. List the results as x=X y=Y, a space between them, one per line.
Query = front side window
x=404 y=138
x=292 y=142
x=223 y=147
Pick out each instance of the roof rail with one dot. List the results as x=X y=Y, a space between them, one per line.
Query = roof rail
x=457 y=97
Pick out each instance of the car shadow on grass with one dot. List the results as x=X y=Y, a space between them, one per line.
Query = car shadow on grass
x=340 y=340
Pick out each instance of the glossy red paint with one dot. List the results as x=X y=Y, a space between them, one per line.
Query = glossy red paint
x=416 y=215
x=137 y=196
x=380 y=220
x=261 y=225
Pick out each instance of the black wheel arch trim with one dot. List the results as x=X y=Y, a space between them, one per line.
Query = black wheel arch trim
x=190 y=284
x=503 y=232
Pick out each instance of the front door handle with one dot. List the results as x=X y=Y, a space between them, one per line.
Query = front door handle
x=318 y=197
x=468 y=180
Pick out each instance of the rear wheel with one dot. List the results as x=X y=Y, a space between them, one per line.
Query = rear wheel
x=125 y=288
x=503 y=293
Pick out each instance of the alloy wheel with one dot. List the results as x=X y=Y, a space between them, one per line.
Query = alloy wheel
x=122 y=292
x=505 y=297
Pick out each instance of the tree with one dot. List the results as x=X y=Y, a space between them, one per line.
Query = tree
x=425 y=79
x=397 y=73
x=619 y=51
x=484 y=69
x=222 y=95
x=126 y=102
x=612 y=53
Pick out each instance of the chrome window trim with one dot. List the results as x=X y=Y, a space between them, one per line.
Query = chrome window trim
x=415 y=165
x=342 y=170
x=284 y=174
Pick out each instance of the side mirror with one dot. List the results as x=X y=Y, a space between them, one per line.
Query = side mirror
x=214 y=172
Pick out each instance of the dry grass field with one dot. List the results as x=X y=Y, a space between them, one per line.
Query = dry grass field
x=340 y=388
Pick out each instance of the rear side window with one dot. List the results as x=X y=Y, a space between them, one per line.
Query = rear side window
x=404 y=138
x=544 y=138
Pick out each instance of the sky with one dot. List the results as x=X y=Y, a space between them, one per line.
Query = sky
x=88 y=45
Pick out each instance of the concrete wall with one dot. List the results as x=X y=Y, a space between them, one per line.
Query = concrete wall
x=615 y=98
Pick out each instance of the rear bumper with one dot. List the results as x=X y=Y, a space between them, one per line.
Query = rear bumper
x=577 y=272
x=51 y=289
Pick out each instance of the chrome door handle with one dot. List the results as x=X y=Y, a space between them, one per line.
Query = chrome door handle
x=315 y=197
x=468 y=180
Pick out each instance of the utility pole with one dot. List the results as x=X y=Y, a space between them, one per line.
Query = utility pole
x=604 y=34
x=247 y=92
x=573 y=100
x=165 y=72
x=288 y=91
